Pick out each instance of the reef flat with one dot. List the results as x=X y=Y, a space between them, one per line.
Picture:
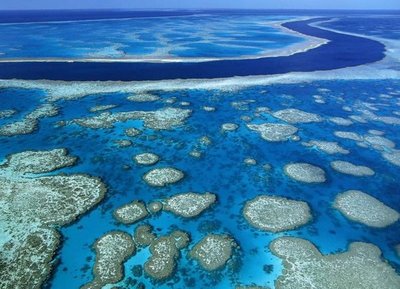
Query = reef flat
x=327 y=147
x=351 y=169
x=375 y=141
x=165 y=118
x=305 y=267
x=293 y=115
x=189 y=205
x=392 y=157
x=131 y=213
x=161 y=177
x=7 y=113
x=123 y=143
x=143 y=97
x=33 y=207
x=213 y=251
x=112 y=250
x=30 y=122
x=186 y=205
x=38 y=162
x=144 y=235
x=341 y=121
x=229 y=127
x=276 y=214
x=132 y=132
x=379 y=142
x=154 y=207
x=348 y=135
x=250 y=161
x=363 y=208
x=147 y=159
x=165 y=252
x=274 y=132
x=209 y=108
x=98 y=108
x=304 y=172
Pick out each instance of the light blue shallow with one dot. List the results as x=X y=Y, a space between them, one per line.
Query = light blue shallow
x=164 y=37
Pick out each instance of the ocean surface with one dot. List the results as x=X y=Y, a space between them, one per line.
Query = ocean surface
x=341 y=50
x=221 y=35
x=168 y=37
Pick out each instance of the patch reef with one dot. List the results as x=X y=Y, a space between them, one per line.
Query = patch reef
x=165 y=252
x=30 y=122
x=146 y=159
x=33 y=207
x=351 y=169
x=305 y=267
x=274 y=132
x=306 y=173
x=112 y=250
x=189 y=205
x=213 y=251
x=327 y=147
x=276 y=214
x=165 y=118
x=363 y=208
x=293 y=116
x=131 y=213
x=161 y=177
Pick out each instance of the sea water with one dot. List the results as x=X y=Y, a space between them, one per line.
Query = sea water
x=220 y=170
x=156 y=37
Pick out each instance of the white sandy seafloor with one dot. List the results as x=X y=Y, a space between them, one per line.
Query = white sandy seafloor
x=389 y=68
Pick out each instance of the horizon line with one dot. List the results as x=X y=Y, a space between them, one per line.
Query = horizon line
x=197 y=9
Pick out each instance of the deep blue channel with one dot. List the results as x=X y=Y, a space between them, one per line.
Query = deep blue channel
x=342 y=51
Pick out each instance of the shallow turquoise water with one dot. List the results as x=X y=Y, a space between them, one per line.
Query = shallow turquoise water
x=164 y=37
x=220 y=170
